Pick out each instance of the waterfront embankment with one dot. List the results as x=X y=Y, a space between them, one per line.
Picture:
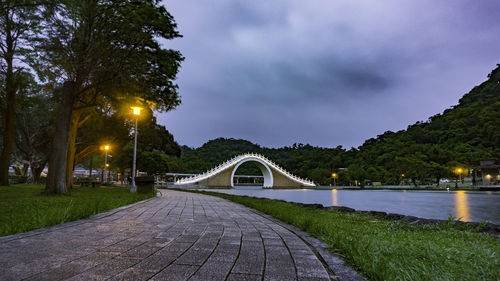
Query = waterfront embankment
x=391 y=249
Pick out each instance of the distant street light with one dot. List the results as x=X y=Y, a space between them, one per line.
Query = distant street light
x=458 y=171
x=334 y=176
x=106 y=148
x=137 y=112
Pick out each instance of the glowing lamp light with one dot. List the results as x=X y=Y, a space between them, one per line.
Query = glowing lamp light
x=334 y=175
x=137 y=110
x=106 y=147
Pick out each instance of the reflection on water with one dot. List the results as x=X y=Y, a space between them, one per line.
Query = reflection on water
x=335 y=201
x=466 y=205
x=461 y=206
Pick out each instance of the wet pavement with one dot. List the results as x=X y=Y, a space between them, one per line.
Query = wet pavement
x=176 y=236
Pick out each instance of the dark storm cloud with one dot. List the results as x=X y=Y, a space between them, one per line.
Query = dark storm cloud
x=322 y=80
x=324 y=72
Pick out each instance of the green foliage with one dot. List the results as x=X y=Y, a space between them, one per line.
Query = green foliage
x=391 y=250
x=23 y=208
x=152 y=162
x=154 y=146
x=111 y=50
x=34 y=129
x=155 y=137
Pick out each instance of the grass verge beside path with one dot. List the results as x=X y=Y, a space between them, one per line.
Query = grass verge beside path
x=23 y=208
x=391 y=250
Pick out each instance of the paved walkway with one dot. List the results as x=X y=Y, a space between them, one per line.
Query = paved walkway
x=178 y=236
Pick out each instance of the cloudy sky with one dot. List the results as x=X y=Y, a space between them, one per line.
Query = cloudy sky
x=324 y=72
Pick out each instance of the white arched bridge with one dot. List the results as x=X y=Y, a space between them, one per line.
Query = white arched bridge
x=223 y=175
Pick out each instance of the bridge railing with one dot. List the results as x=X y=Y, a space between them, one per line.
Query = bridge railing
x=233 y=161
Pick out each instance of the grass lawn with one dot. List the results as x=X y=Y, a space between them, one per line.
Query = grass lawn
x=391 y=250
x=23 y=208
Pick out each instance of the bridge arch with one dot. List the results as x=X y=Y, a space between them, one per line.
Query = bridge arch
x=223 y=175
x=263 y=167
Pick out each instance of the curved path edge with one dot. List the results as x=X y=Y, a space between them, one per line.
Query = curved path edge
x=69 y=224
x=339 y=268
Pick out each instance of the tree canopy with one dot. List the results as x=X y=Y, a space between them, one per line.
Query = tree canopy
x=102 y=53
x=94 y=59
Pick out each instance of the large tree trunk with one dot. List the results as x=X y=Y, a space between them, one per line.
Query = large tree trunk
x=8 y=137
x=9 y=114
x=70 y=164
x=56 y=178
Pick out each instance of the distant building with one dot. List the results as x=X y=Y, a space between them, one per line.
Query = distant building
x=489 y=171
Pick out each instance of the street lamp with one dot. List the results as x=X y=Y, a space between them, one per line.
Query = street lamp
x=137 y=112
x=105 y=176
x=460 y=174
x=458 y=171
x=334 y=176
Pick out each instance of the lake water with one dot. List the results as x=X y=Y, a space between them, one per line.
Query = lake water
x=475 y=206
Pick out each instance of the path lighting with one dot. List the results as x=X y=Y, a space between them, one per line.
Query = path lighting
x=137 y=112
x=334 y=176
x=106 y=165
x=459 y=172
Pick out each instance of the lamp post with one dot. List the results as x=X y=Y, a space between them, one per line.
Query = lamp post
x=105 y=176
x=108 y=173
x=137 y=112
x=334 y=176
x=458 y=171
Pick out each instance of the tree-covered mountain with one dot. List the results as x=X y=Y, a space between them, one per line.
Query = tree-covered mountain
x=460 y=136
x=425 y=152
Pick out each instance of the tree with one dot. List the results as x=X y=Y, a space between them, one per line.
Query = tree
x=18 y=21
x=320 y=175
x=100 y=52
x=356 y=173
x=152 y=162
x=155 y=137
x=34 y=127
x=155 y=144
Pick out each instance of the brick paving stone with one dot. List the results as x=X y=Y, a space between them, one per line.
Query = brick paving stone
x=244 y=277
x=176 y=272
x=133 y=274
x=178 y=236
x=194 y=257
x=62 y=272
x=212 y=270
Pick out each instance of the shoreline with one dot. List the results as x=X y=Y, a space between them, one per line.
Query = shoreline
x=382 y=246
x=484 y=227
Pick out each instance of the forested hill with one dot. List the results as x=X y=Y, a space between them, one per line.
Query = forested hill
x=460 y=136
x=424 y=152
x=471 y=126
